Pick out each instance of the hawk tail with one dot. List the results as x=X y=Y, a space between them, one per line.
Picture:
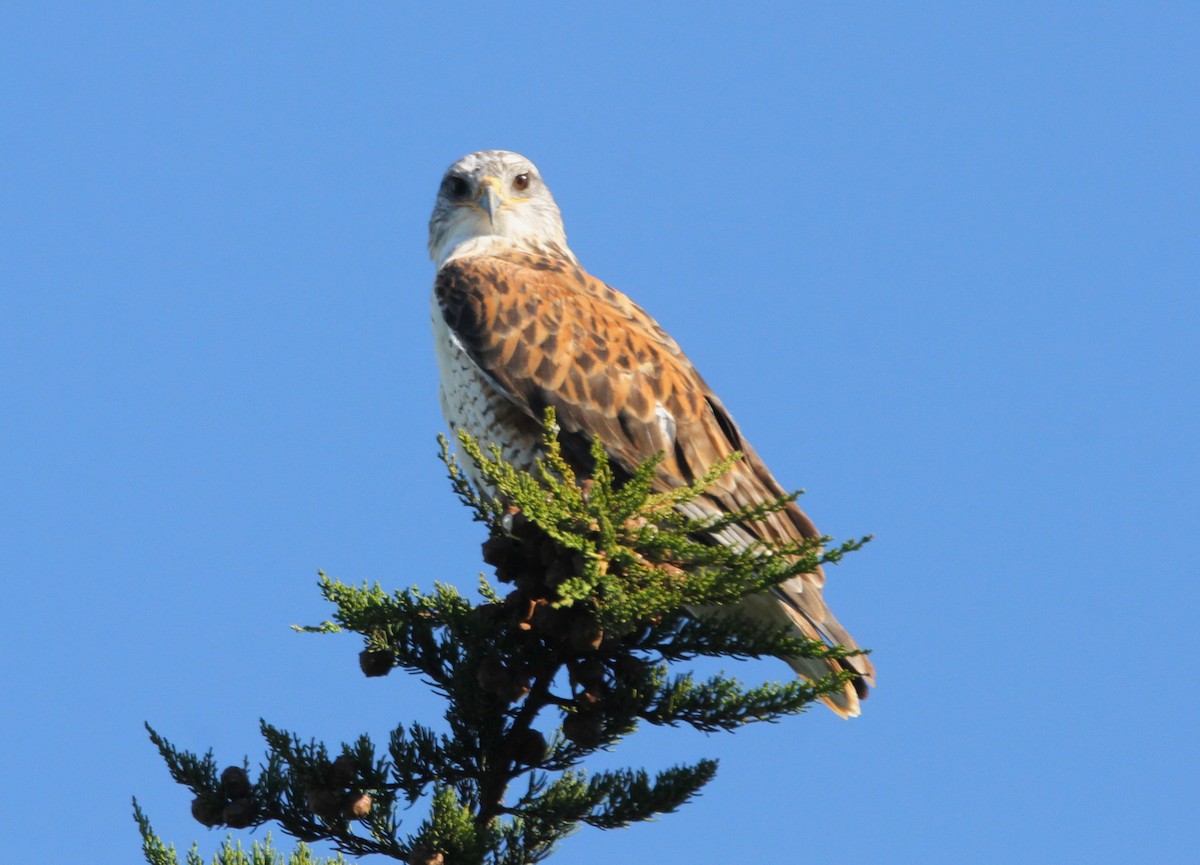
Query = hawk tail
x=811 y=619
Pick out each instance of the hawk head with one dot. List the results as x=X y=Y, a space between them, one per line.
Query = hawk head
x=495 y=194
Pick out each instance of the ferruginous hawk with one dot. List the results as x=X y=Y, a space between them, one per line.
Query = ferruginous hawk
x=519 y=325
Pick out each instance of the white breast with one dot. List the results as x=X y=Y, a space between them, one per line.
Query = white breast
x=472 y=402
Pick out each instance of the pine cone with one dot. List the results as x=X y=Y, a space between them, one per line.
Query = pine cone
x=234 y=782
x=343 y=771
x=584 y=729
x=589 y=699
x=374 y=662
x=208 y=811
x=589 y=672
x=551 y=622
x=528 y=747
x=357 y=806
x=629 y=667
x=325 y=803
x=585 y=634
x=425 y=855
x=238 y=814
x=502 y=681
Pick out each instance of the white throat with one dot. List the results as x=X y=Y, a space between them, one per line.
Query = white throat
x=491 y=244
x=478 y=244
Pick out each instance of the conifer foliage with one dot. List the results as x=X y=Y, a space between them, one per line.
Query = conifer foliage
x=580 y=648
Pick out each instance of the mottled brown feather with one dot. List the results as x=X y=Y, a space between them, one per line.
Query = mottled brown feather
x=555 y=336
x=606 y=361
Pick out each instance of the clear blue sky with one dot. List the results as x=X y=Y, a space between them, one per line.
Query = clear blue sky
x=939 y=260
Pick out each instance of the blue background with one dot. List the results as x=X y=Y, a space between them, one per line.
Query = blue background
x=940 y=260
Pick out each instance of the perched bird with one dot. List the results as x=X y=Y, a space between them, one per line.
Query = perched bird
x=519 y=325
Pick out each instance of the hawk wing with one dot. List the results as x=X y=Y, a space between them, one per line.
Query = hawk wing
x=546 y=333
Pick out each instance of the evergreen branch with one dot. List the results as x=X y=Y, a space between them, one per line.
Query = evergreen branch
x=198 y=774
x=485 y=509
x=612 y=583
x=230 y=853
x=413 y=756
x=155 y=851
x=720 y=703
x=629 y=797
x=732 y=635
x=568 y=800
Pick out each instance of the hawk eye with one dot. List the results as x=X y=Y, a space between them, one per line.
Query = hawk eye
x=455 y=186
x=521 y=182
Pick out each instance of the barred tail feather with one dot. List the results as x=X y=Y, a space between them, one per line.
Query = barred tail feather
x=799 y=604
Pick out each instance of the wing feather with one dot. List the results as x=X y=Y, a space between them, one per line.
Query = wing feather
x=549 y=334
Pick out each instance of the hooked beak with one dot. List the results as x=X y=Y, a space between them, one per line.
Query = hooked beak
x=490 y=199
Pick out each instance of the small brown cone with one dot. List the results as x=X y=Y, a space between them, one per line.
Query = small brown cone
x=585 y=634
x=235 y=783
x=589 y=699
x=375 y=663
x=343 y=771
x=208 y=812
x=528 y=747
x=238 y=814
x=500 y=680
x=325 y=803
x=589 y=672
x=515 y=691
x=550 y=622
x=492 y=675
x=425 y=855
x=583 y=728
x=357 y=806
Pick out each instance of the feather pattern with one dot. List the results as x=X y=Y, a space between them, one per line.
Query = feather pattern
x=520 y=327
